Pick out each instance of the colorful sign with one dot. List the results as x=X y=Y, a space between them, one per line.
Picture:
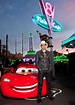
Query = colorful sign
x=61 y=58
x=48 y=11
x=40 y=20
x=28 y=59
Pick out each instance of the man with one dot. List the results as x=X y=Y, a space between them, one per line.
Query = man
x=43 y=63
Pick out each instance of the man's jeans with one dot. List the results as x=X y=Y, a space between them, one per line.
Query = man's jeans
x=47 y=75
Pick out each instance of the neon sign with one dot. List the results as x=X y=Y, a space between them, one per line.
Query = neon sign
x=28 y=59
x=40 y=20
x=49 y=9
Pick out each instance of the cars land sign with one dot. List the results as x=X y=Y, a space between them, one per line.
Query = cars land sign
x=40 y=20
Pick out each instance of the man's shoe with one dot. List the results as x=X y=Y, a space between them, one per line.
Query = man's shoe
x=51 y=97
x=39 y=100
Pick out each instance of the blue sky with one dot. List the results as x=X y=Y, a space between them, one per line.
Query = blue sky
x=16 y=18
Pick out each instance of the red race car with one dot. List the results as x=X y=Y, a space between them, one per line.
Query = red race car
x=22 y=82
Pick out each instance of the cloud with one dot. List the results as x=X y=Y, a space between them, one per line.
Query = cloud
x=68 y=13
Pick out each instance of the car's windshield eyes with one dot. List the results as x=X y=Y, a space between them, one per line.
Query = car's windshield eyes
x=23 y=71
x=26 y=70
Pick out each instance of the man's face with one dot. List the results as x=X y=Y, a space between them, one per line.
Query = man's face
x=44 y=46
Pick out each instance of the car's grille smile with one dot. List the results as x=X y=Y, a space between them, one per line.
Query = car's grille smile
x=25 y=89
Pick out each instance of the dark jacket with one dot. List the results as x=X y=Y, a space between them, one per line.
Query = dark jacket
x=42 y=62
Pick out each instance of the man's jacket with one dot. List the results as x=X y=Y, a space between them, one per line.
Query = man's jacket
x=43 y=61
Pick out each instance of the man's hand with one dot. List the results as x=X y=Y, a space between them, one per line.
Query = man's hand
x=39 y=69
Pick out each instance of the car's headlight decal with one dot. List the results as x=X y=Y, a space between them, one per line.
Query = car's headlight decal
x=6 y=79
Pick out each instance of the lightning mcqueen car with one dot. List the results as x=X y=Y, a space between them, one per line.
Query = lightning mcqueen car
x=21 y=82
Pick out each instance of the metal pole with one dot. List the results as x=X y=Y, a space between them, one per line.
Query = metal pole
x=22 y=43
x=15 y=46
x=6 y=44
x=52 y=55
x=0 y=46
x=49 y=32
